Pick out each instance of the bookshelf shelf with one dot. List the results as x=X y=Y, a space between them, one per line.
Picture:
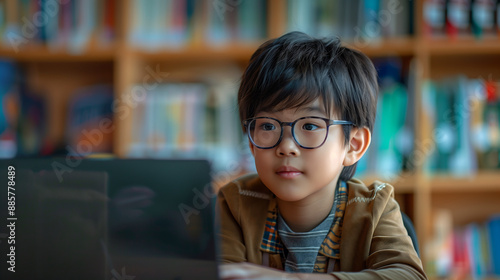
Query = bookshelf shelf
x=462 y=46
x=40 y=53
x=233 y=52
x=484 y=181
x=386 y=47
x=243 y=51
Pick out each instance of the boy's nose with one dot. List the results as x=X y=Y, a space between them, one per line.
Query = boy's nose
x=287 y=146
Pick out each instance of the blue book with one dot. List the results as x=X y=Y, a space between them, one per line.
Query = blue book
x=7 y=79
x=445 y=126
x=462 y=159
x=493 y=233
x=8 y=95
x=392 y=106
x=476 y=254
x=368 y=19
x=251 y=20
x=90 y=126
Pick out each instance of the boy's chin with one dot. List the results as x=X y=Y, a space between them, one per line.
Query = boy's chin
x=290 y=196
x=299 y=194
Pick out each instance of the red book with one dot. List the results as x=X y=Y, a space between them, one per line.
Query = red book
x=109 y=19
x=461 y=263
x=458 y=21
x=434 y=17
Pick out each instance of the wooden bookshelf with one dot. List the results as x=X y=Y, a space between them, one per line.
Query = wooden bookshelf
x=386 y=47
x=40 y=53
x=484 y=181
x=231 y=52
x=462 y=46
x=57 y=73
x=469 y=198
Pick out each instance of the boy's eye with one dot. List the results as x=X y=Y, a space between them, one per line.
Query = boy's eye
x=309 y=126
x=267 y=126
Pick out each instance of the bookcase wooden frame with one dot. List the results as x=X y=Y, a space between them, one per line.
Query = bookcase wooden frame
x=434 y=58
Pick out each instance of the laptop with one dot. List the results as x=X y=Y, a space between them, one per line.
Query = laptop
x=71 y=218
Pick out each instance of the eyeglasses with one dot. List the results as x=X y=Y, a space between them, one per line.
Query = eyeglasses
x=307 y=132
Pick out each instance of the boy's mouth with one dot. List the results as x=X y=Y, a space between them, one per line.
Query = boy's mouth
x=288 y=172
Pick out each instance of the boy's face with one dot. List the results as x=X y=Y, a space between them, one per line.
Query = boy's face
x=293 y=173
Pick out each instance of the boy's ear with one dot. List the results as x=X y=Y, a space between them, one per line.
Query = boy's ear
x=358 y=144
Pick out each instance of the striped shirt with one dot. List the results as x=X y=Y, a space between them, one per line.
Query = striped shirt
x=302 y=247
x=330 y=247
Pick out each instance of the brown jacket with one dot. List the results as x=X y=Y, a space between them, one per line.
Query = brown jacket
x=374 y=243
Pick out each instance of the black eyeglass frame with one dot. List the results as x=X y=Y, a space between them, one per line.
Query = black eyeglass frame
x=329 y=122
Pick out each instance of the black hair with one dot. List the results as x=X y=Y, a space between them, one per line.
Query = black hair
x=296 y=69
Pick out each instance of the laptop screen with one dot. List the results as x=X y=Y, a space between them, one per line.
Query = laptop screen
x=107 y=219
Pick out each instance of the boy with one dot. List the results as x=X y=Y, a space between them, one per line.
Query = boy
x=308 y=107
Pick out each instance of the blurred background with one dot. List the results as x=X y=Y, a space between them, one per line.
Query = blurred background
x=159 y=79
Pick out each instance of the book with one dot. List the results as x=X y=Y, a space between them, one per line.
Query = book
x=173 y=24
x=73 y=25
x=458 y=23
x=349 y=20
x=328 y=19
x=393 y=103
x=368 y=19
x=391 y=137
x=170 y=122
x=466 y=124
x=195 y=117
x=486 y=125
x=462 y=161
x=31 y=133
x=90 y=126
x=463 y=251
x=252 y=22
x=439 y=250
x=434 y=18
x=48 y=30
x=219 y=24
x=461 y=260
x=395 y=18
x=9 y=108
x=300 y=16
x=475 y=249
x=483 y=18
x=498 y=17
x=493 y=231
x=406 y=142
x=108 y=21
x=359 y=21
